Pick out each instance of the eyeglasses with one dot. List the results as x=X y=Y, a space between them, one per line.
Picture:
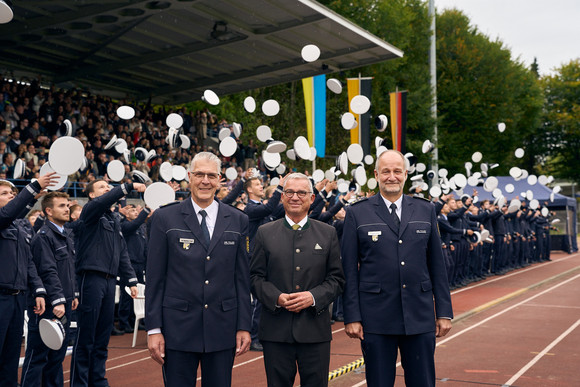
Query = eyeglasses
x=200 y=175
x=301 y=194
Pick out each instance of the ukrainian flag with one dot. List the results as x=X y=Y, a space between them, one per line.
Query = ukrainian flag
x=315 y=104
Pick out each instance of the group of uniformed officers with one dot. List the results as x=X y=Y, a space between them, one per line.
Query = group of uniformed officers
x=67 y=264
x=513 y=239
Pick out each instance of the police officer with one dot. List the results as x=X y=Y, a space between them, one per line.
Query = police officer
x=53 y=254
x=135 y=234
x=18 y=274
x=101 y=256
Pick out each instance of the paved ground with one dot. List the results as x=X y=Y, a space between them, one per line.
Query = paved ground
x=519 y=329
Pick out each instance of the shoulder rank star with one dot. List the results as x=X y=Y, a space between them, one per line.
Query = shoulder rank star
x=374 y=235
x=185 y=243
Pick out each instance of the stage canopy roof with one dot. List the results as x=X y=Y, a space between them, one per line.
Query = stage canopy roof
x=174 y=50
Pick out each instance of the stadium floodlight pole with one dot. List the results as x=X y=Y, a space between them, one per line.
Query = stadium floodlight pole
x=433 y=71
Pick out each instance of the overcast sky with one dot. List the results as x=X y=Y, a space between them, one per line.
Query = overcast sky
x=546 y=29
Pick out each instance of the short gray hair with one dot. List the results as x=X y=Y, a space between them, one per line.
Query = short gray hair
x=208 y=156
x=298 y=175
x=405 y=160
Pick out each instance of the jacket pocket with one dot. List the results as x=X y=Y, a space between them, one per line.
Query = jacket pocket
x=426 y=286
x=229 y=304
x=175 y=303
x=369 y=287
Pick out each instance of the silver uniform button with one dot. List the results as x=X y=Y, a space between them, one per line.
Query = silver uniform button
x=404 y=286
x=403 y=263
x=206 y=306
x=206 y=282
x=297 y=250
x=400 y=241
x=207 y=258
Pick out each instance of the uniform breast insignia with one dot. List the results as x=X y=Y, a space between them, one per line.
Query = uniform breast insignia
x=186 y=242
x=374 y=235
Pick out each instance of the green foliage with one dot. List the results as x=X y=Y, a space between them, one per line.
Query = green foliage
x=561 y=125
x=480 y=85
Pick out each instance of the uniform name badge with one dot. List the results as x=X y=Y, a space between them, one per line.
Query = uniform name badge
x=185 y=242
x=374 y=235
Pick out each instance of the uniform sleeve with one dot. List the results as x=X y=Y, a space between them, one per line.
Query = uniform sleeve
x=234 y=193
x=45 y=261
x=242 y=279
x=333 y=284
x=126 y=271
x=438 y=272
x=349 y=251
x=261 y=211
x=95 y=208
x=156 y=272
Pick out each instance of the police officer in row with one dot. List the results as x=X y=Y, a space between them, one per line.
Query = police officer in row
x=54 y=256
x=134 y=231
x=101 y=256
x=18 y=274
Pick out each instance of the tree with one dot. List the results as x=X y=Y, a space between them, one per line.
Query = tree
x=479 y=85
x=561 y=124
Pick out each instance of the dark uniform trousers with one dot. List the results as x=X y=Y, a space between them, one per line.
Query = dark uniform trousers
x=95 y=315
x=12 y=309
x=180 y=368
x=42 y=365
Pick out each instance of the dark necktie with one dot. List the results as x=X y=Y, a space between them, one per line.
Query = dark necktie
x=394 y=215
x=204 y=228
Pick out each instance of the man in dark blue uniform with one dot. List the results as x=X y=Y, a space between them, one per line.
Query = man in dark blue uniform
x=54 y=257
x=101 y=256
x=135 y=234
x=395 y=270
x=18 y=275
x=197 y=298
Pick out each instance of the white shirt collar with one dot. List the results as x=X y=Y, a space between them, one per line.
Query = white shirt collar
x=302 y=223
x=211 y=217
x=398 y=203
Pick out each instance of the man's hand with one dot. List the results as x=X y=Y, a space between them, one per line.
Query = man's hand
x=48 y=180
x=320 y=185
x=442 y=327
x=469 y=231
x=243 y=341
x=134 y=292
x=156 y=345
x=298 y=301
x=40 y=305
x=139 y=187
x=354 y=330
x=58 y=310
x=75 y=304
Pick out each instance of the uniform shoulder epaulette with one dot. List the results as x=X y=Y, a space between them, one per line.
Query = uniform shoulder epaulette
x=422 y=198
x=170 y=204
x=359 y=201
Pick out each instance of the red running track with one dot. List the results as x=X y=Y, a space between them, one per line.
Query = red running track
x=519 y=329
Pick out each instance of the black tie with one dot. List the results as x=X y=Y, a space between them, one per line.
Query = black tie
x=394 y=215
x=204 y=229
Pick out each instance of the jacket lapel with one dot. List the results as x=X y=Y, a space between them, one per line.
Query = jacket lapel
x=383 y=212
x=190 y=219
x=221 y=223
x=406 y=213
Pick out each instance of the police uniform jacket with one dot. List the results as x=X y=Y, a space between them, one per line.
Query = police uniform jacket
x=393 y=277
x=198 y=295
x=54 y=256
x=447 y=230
x=18 y=270
x=101 y=246
x=289 y=261
x=259 y=213
x=135 y=236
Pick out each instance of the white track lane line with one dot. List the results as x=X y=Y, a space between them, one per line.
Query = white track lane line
x=541 y=354
x=443 y=341
x=499 y=278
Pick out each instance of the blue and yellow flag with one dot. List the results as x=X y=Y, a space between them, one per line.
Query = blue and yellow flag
x=315 y=104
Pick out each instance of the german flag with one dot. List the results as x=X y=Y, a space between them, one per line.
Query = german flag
x=399 y=120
